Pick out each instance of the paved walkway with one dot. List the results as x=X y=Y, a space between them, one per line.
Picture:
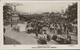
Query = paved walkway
x=13 y=37
x=20 y=37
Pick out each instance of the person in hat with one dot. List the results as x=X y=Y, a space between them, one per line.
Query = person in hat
x=4 y=29
x=42 y=38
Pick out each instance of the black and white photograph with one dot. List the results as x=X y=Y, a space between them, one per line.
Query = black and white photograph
x=39 y=49
x=33 y=23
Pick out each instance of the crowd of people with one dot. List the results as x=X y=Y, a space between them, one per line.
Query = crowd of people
x=44 y=31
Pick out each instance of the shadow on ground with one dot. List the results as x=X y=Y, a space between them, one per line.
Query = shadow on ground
x=10 y=41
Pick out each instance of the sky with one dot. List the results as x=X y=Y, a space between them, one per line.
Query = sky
x=39 y=7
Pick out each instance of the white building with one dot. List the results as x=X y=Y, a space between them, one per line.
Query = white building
x=15 y=17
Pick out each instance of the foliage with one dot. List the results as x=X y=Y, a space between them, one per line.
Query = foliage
x=7 y=10
x=71 y=12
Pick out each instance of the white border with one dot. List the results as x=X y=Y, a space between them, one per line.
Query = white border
x=29 y=46
x=40 y=0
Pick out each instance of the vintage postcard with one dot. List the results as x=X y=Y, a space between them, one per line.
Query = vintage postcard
x=40 y=0
x=40 y=24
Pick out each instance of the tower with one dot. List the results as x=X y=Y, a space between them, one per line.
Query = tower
x=62 y=12
x=14 y=17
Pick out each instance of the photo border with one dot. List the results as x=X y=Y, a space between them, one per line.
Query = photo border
x=71 y=46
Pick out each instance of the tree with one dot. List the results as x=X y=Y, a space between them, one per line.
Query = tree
x=7 y=11
x=71 y=12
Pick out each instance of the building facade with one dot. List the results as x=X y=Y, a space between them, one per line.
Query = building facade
x=15 y=17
